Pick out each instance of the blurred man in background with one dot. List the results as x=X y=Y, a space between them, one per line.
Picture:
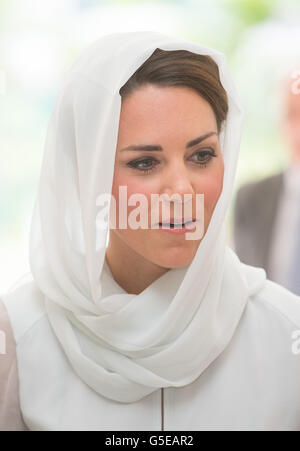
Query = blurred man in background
x=267 y=212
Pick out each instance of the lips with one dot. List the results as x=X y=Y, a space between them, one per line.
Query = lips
x=176 y=222
x=180 y=225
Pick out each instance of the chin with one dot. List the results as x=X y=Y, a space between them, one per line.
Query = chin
x=175 y=260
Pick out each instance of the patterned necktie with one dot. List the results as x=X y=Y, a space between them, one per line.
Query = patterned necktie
x=294 y=276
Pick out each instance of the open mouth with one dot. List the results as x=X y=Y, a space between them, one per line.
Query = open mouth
x=173 y=225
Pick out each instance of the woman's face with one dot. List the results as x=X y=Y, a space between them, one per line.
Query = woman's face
x=169 y=117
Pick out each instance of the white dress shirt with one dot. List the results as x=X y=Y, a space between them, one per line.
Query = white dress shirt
x=252 y=385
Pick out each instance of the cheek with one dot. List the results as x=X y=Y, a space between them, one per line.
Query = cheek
x=291 y=128
x=211 y=185
x=122 y=179
x=295 y=130
x=133 y=185
x=135 y=239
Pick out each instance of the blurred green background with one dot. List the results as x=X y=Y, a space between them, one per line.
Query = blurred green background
x=39 y=39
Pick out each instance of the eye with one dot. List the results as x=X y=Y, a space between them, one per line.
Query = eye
x=205 y=156
x=145 y=165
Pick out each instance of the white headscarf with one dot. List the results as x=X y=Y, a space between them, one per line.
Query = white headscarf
x=168 y=334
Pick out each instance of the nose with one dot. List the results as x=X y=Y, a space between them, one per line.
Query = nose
x=177 y=180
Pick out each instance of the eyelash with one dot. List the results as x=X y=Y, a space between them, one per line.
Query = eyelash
x=134 y=164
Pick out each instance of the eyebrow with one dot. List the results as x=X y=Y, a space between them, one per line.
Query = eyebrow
x=152 y=147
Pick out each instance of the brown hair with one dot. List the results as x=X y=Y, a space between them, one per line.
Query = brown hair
x=182 y=68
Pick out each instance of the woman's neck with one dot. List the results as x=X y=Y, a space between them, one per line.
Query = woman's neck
x=130 y=270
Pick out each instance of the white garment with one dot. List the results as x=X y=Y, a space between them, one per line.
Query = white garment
x=91 y=360
x=252 y=385
x=285 y=233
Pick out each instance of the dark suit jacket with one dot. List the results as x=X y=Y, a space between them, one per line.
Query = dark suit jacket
x=255 y=209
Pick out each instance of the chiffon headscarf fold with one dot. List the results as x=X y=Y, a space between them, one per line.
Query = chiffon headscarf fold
x=169 y=333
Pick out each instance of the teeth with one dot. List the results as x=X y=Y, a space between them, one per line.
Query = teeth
x=176 y=224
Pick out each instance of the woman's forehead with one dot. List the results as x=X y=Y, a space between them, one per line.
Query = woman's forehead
x=164 y=110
